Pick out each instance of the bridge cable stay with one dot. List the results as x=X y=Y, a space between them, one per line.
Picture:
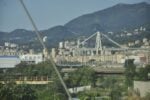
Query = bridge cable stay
x=112 y=40
x=124 y=48
x=44 y=47
x=104 y=36
x=88 y=38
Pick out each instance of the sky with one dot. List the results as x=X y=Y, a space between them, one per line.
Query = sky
x=49 y=13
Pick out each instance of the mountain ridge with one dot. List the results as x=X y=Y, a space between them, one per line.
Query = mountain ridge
x=116 y=18
x=113 y=15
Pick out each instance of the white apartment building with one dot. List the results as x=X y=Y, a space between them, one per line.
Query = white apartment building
x=32 y=58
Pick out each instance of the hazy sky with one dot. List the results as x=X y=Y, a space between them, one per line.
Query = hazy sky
x=48 y=13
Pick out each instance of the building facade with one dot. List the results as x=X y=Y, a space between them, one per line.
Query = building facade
x=32 y=58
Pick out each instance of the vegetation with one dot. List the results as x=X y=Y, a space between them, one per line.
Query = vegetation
x=130 y=72
x=103 y=87
x=11 y=91
x=142 y=73
x=51 y=91
x=82 y=76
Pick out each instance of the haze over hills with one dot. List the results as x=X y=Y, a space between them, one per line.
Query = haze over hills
x=117 y=18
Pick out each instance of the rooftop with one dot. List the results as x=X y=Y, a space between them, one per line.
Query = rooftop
x=9 y=57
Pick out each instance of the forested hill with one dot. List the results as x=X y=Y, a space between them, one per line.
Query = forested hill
x=116 y=18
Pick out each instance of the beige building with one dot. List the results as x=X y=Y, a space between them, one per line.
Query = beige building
x=116 y=58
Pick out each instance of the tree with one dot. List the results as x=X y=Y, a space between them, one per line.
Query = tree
x=82 y=76
x=24 y=92
x=142 y=74
x=115 y=93
x=7 y=91
x=130 y=72
x=11 y=91
x=27 y=92
x=133 y=95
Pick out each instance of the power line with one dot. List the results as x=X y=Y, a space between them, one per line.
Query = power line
x=44 y=47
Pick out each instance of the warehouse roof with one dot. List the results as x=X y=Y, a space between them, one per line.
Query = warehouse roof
x=9 y=57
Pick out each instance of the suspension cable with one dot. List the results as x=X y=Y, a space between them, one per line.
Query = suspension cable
x=88 y=38
x=44 y=47
x=112 y=40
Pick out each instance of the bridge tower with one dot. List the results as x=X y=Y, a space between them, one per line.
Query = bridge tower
x=98 y=44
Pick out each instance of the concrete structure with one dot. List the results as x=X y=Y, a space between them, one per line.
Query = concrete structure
x=44 y=38
x=6 y=44
x=11 y=52
x=79 y=89
x=13 y=45
x=137 y=42
x=32 y=58
x=145 y=40
x=131 y=44
x=53 y=53
x=142 y=86
x=66 y=44
x=61 y=45
x=129 y=34
x=10 y=45
x=9 y=61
